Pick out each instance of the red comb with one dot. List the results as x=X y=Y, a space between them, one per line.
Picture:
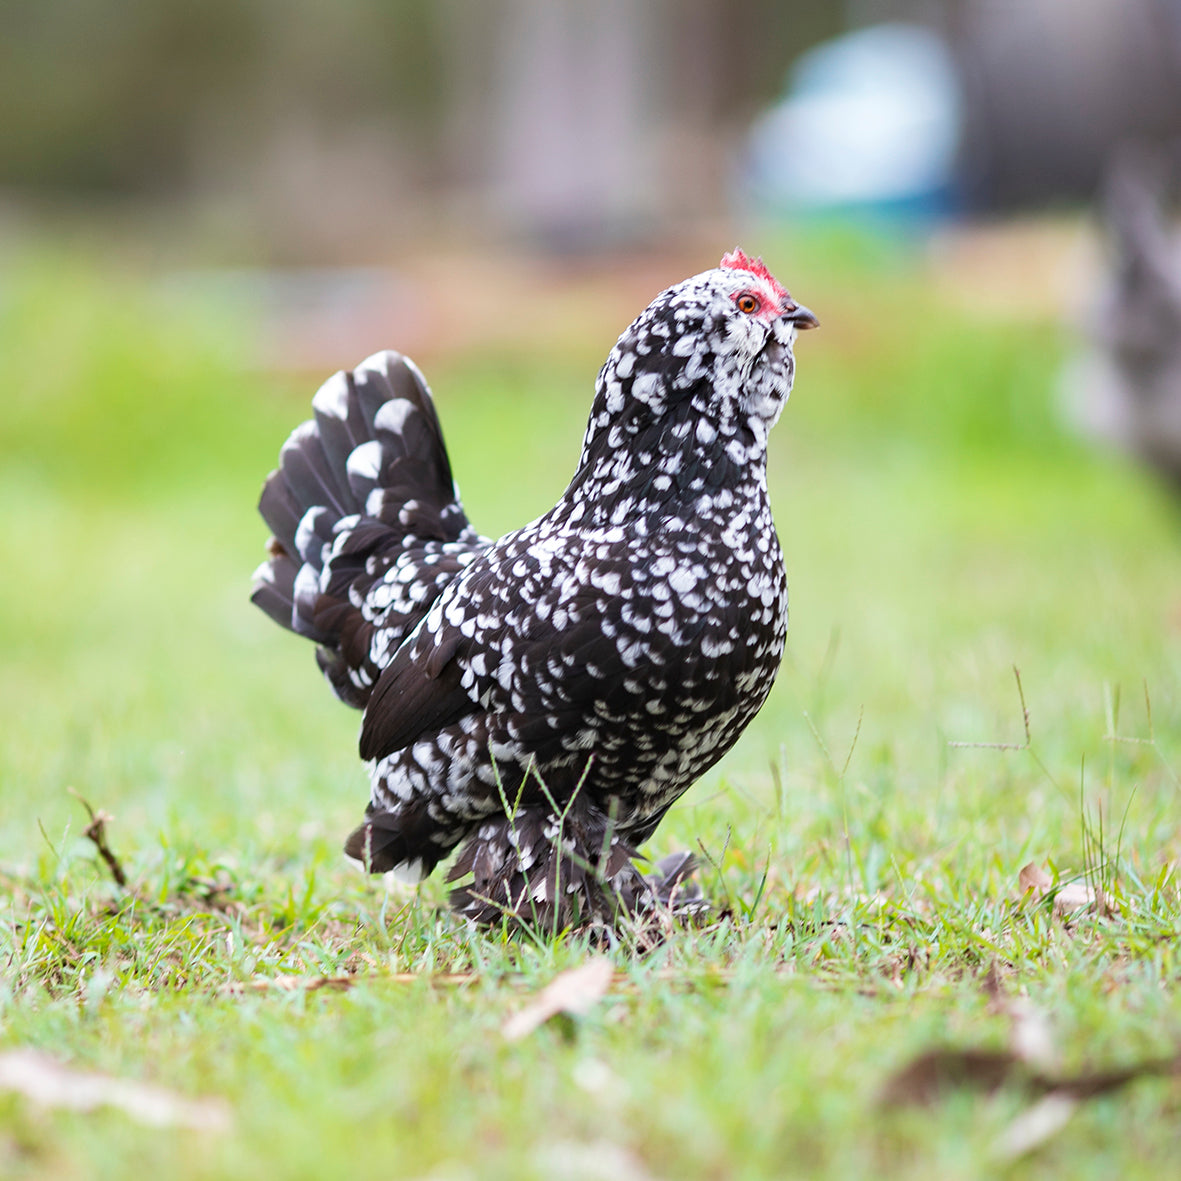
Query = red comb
x=737 y=260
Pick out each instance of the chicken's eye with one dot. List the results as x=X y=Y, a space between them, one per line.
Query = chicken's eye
x=747 y=303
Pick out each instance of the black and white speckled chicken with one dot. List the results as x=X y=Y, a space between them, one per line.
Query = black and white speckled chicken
x=543 y=699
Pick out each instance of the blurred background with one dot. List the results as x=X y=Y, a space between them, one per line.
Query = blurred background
x=313 y=164
x=205 y=209
x=572 y=118
x=286 y=133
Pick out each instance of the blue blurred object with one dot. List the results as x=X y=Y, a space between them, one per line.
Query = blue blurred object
x=871 y=125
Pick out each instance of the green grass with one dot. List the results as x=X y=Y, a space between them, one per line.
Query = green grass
x=940 y=529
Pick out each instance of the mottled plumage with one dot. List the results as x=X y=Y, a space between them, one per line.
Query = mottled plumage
x=546 y=697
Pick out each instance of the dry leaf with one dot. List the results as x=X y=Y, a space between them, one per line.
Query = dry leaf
x=1068 y=897
x=1077 y=896
x=1034 y=1126
x=1031 y=1039
x=573 y=992
x=50 y=1083
x=598 y=1161
x=1033 y=878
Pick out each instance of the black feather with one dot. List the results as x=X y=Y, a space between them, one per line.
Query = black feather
x=408 y=702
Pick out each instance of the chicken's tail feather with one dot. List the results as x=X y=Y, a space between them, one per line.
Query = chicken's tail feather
x=363 y=496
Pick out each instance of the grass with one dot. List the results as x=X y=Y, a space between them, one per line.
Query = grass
x=940 y=528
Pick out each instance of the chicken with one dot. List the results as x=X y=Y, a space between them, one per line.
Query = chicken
x=542 y=700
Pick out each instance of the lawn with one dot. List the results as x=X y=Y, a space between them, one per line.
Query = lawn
x=862 y=844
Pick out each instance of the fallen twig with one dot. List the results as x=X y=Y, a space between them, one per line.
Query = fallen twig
x=96 y=830
x=935 y=1073
x=574 y=992
x=50 y=1083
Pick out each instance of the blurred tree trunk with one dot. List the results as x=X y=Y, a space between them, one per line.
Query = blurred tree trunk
x=569 y=119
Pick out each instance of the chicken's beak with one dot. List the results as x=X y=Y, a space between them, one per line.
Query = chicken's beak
x=801 y=317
